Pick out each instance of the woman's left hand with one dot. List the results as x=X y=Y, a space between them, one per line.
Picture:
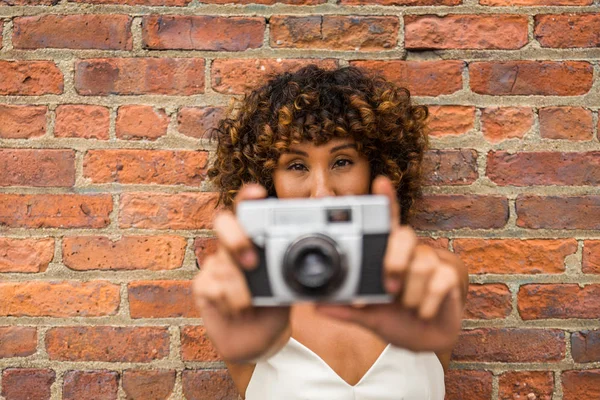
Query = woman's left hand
x=429 y=286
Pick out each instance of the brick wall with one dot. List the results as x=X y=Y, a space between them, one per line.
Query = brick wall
x=104 y=205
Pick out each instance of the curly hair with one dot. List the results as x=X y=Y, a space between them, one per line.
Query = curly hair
x=313 y=104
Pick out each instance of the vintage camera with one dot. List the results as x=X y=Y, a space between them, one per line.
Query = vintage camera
x=327 y=250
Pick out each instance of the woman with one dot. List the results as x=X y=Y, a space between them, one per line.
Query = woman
x=311 y=134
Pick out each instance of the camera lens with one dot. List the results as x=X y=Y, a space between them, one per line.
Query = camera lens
x=313 y=265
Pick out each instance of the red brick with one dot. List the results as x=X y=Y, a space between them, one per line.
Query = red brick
x=510 y=345
x=591 y=257
x=450 y=120
x=161 y=299
x=537 y=385
x=204 y=32
x=488 y=301
x=107 y=343
x=27 y=384
x=546 y=78
x=134 y=76
x=581 y=385
x=515 y=256
x=135 y=122
x=30 y=78
x=203 y=247
x=501 y=123
x=535 y=2
x=443 y=212
x=208 y=385
x=268 y=2
x=81 y=121
x=439 y=243
x=465 y=31
x=30 y=2
x=198 y=122
x=22 y=122
x=585 y=346
x=55 y=210
x=450 y=167
x=27 y=255
x=544 y=168
x=40 y=168
x=570 y=123
x=558 y=301
x=148 y=384
x=90 y=385
x=17 y=341
x=403 y=2
x=100 y=31
x=236 y=76
x=195 y=345
x=59 y=299
x=132 y=166
x=168 y=211
x=173 y=3
x=567 y=31
x=556 y=212
x=422 y=78
x=468 y=384
x=335 y=32
x=153 y=253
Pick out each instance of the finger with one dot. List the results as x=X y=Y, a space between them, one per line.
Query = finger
x=400 y=248
x=421 y=268
x=212 y=287
x=235 y=241
x=250 y=191
x=443 y=281
x=383 y=186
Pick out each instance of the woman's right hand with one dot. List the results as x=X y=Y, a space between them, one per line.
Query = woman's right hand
x=239 y=331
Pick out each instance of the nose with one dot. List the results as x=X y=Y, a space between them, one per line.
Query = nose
x=322 y=184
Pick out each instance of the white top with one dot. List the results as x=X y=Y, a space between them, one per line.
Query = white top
x=297 y=373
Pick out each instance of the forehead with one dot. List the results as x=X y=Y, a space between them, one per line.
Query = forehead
x=332 y=144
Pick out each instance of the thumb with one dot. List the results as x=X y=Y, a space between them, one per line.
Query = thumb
x=250 y=191
x=382 y=185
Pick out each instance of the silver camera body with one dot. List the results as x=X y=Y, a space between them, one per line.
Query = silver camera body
x=326 y=250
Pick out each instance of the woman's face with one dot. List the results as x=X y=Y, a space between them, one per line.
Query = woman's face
x=333 y=169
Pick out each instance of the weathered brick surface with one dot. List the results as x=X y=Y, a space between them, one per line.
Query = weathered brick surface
x=148 y=384
x=536 y=2
x=25 y=255
x=465 y=31
x=208 y=385
x=202 y=32
x=585 y=346
x=468 y=384
x=81 y=121
x=137 y=122
x=581 y=385
x=510 y=345
x=107 y=343
x=167 y=211
x=195 y=345
x=22 y=122
x=171 y=3
x=404 y=2
x=59 y=299
x=41 y=168
x=565 y=31
x=450 y=167
x=546 y=78
x=591 y=257
x=161 y=299
x=135 y=76
x=27 y=383
x=30 y=78
x=568 y=123
x=515 y=256
x=560 y=301
x=526 y=385
x=90 y=385
x=450 y=120
x=17 y=341
x=488 y=301
x=501 y=123
x=558 y=212
x=106 y=32
x=358 y=33
x=152 y=253
x=198 y=122
x=203 y=247
x=55 y=210
x=441 y=212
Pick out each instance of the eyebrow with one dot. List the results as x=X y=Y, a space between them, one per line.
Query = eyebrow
x=333 y=150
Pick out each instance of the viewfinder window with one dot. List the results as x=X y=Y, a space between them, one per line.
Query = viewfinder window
x=339 y=215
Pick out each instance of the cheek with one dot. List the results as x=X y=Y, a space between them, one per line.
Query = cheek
x=356 y=183
x=287 y=186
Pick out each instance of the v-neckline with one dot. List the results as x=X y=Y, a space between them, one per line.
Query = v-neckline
x=328 y=367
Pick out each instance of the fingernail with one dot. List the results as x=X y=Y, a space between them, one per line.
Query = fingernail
x=392 y=286
x=248 y=258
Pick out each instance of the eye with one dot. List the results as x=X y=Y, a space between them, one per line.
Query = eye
x=343 y=162
x=296 y=167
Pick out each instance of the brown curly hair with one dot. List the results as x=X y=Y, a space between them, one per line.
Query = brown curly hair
x=317 y=105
